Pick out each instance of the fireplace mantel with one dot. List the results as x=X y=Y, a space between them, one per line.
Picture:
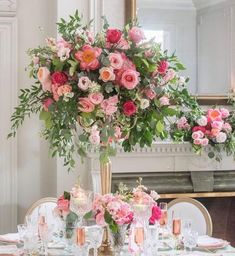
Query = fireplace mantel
x=161 y=157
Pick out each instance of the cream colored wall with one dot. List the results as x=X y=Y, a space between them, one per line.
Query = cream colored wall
x=36 y=170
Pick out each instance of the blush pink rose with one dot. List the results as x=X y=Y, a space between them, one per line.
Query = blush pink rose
x=130 y=79
x=217 y=124
x=169 y=75
x=197 y=135
x=85 y=105
x=63 y=204
x=204 y=142
x=136 y=34
x=227 y=127
x=44 y=78
x=110 y=110
x=84 y=83
x=54 y=88
x=151 y=94
x=116 y=60
x=113 y=100
x=214 y=132
x=106 y=74
x=47 y=103
x=164 y=101
x=64 y=89
x=96 y=98
x=197 y=141
x=225 y=113
x=221 y=137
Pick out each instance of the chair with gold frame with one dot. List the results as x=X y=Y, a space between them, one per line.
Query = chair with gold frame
x=48 y=203
x=188 y=208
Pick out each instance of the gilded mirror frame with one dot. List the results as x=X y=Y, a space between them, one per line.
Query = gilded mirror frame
x=130 y=14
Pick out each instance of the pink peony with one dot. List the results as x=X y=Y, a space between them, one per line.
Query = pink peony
x=85 y=105
x=164 y=101
x=47 y=103
x=44 y=78
x=151 y=94
x=96 y=97
x=130 y=79
x=136 y=34
x=84 y=83
x=88 y=57
x=116 y=60
x=214 y=115
x=225 y=113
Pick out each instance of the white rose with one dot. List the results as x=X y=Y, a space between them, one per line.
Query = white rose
x=144 y=103
x=202 y=121
x=221 y=137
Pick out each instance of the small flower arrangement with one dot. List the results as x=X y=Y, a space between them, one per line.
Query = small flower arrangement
x=215 y=127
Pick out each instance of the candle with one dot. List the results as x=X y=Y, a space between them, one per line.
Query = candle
x=176 y=227
x=139 y=235
x=80 y=236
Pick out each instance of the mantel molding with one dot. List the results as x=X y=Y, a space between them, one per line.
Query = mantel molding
x=8 y=7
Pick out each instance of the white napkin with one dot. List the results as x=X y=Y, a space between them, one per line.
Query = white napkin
x=206 y=241
x=10 y=238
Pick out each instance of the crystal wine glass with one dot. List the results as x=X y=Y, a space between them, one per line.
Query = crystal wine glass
x=94 y=236
x=190 y=239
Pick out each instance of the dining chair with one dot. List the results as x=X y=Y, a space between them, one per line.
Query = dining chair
x=188 y=208
x=48 y=204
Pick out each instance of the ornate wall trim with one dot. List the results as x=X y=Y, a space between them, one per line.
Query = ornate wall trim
x=8 y=7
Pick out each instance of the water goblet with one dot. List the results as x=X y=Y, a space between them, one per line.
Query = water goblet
x=94 y=236
x=190 y=239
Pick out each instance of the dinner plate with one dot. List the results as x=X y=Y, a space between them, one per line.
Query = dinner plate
x=211 y=243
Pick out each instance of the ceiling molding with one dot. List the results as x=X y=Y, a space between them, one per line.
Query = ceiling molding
x=7 y=7
x=166 y=4
x=200 y=4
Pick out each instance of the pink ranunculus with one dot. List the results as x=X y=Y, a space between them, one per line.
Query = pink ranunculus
x=47 y=103
x=227 y=127
x=96 y=98
x=116 y=60
x=85 y=105
x=221 y=137
x=130 y=79
x=64 y=89
x=170 y=74
x=151 y=94
x=44 y=78
x=162 y=67
x=225 y=112
x=84 y=83
x=63 y=204
x=106 y=74
x=136 y=34
x=202 y=121
x=214 y=115
x=164 y=101
x=156 y=214
x=217 y=124
x=197 y=141
x=204 y=142
x=88 y=57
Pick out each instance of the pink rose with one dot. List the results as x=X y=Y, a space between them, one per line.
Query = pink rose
x=130 y=79
x=94 y=138
x=227 y=127
x=116 y=60
x=221 y=137
x=123 y=44
x=225 y=113
x=136 y=34
x=151 y=94
x=84 y=83
x=214 y=132
x=169 y=75
x=197 y=135
x=217 y=124
x=96 y=98
x=59 y=78
x=164 y=101
x=113 y=100
x=44 y=78
x=64 y=89
x=197 y=141
x=63 y=204
x=129 y=108
x=106 y=74
x=47 y=103
x=202 y=121
x=113 y=35
x=85 y=105
x=110 y=110
x=204 y=142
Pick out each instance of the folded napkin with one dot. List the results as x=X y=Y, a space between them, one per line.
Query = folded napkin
x=10 y=238
x=9 y=250
x=206 y=241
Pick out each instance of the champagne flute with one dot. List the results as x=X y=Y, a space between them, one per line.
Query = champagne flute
x=164 y=218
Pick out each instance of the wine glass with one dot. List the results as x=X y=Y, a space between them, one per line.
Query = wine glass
x=190 y=239
x=82 y=243
x=153 y=233
x=94 y=236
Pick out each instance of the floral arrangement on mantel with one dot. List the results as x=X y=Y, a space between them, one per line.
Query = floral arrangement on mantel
x=115 y=87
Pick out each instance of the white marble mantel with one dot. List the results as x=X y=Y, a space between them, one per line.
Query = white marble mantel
x=161 y=157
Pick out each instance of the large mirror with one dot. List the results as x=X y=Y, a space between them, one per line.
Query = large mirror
x=202 y=32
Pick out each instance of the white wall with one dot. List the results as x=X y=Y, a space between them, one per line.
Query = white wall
x=36 y=170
